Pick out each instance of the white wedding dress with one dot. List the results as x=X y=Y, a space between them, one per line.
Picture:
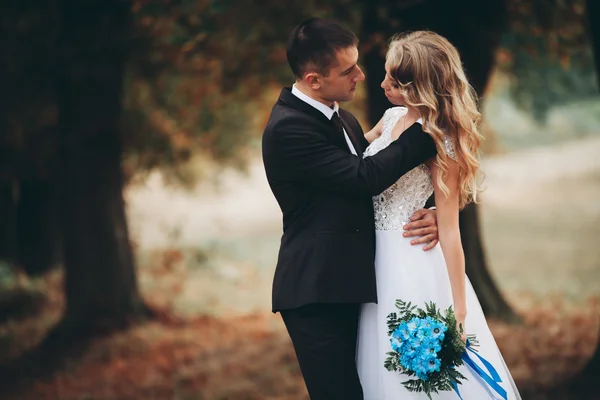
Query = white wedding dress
x=407 y=272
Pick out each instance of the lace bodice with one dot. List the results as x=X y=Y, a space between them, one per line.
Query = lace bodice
x=395 y=206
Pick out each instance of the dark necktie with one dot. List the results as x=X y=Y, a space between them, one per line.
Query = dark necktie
x=337 y=121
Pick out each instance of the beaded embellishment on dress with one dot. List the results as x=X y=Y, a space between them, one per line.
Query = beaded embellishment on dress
x=394 y=207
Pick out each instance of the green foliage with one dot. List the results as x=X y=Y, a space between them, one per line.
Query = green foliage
x=548 y=53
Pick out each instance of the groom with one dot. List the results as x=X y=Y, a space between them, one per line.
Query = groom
x=312 y=151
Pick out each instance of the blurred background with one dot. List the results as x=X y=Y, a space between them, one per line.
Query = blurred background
x=138 y=236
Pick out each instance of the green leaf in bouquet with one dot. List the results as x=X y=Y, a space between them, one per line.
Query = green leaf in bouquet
x=392 y=322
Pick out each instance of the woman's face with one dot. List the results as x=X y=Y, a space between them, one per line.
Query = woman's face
x=392 y=89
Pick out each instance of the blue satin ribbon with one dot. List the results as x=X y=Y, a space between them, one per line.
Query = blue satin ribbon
x=492 y=379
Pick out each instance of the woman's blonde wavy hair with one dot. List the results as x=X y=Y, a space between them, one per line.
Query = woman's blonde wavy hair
x=428 y=69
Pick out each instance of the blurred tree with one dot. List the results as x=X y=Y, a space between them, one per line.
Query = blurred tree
x=8 y=207
x=100 y=283
x=546 y=50
x=475 y=28
x=62 y=71
x=31 y=238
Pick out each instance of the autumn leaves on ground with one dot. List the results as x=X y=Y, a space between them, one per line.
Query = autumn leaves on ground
x=250 y=357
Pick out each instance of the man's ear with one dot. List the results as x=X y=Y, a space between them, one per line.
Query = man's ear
x=313 y=80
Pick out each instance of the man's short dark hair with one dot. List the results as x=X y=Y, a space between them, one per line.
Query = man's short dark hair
x=312 y=45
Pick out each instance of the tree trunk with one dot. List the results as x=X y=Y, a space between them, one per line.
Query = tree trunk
x=38 y=229
x=100 y=280
x=8 y=216
x=474 y=27
x=492 y=301
x=27 y=142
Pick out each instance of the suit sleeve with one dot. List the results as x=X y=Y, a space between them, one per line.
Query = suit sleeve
x=295 y=155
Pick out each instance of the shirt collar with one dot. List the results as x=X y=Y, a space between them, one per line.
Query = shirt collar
x=327 y=111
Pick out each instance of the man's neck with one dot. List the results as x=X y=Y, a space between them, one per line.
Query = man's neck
x=301 y=86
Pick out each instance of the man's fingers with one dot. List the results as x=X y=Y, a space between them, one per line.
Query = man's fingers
x=418 y=214
x=418 y=224
x=420 y=232
x=430 y=245
x=423 y=225
x=423 y=239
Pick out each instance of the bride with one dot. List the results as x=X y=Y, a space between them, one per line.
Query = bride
x=425 y=79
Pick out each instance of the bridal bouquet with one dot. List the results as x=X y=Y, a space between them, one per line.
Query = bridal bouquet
x=426 y=345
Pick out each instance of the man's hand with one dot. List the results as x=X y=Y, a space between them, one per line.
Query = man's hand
x=423 y=223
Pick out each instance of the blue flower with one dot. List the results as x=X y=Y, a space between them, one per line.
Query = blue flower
x=401 y=331
x=406 y=361
x=396 y=344
x=413 y=325
x=409 y=350
x=432 y=345
x=426 y=328
x=438 y=330
x=424 y=333
x=428 y=322
x=415 y=343
x=427 y=364
x=434 y=364
x=396 y=334
x=421 y=368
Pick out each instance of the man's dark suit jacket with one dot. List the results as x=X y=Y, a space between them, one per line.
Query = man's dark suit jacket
x=325 y=193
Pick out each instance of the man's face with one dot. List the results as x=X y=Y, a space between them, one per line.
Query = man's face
x=344 y=74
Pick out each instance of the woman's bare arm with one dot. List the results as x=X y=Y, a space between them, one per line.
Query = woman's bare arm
x=375 y=132
x=449 y=234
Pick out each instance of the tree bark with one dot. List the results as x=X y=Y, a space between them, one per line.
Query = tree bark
x=8 y=216
x=100 y=280
x=38 y=228
x=475 y=28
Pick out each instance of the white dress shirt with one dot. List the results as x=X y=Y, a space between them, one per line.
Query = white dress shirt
x=327 y=111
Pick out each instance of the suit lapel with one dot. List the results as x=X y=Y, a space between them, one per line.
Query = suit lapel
x=290 y=100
